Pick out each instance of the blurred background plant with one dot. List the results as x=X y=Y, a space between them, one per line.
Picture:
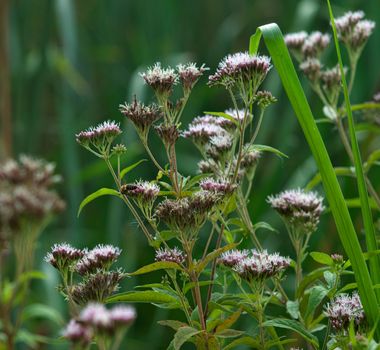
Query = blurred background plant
x=67 y=64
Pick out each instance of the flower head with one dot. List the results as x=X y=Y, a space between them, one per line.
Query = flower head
x=140 y=115
x=261 y=265
x=233 y=257
x=170 y=255
x=295 y=41
x=168 y=133
x=251 y=70
x=63 y=256
x=161 y=80
x=122 y=315
x=217 y=186
x=201 y=132
x=315 y=44
x=99 y=258
x=189 y=74
x=100 y=136
x=343 y=309
x=264 y=99
x=143 y=191
x=311 y=68
x=78 y=333
x=299 y=208
x=96 y=315
x=354 y=30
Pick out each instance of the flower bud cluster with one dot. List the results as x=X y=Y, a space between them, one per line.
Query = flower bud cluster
x=26 y=194
x=301 y=210
x=343 y=309
x=354 y=30
x=187 y=214
x=96 y=320
x=141 y=116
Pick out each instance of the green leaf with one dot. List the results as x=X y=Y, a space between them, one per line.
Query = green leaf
x=264 y=225
x=251 y=342
x=223 y=115
x=373 y=158
x=183 y=335
x=265 y=148
x=294 y=326
x=369 y=227
x=317 y=294
x=200 y=266
x=42 y=311
x=160 y=265
x=281 y=59
x=339 y=171
x=322 y=258
x=98 y=193
x=228 y=322
x=174 y=324
x=330 y=278
x=191 y=285
x=129 y=168
x=293 y=308
x=229 y=333
x=145 y=296
x=356 y=203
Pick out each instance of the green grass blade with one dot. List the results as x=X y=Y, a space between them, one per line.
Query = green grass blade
x=281 y=59
x=370 y=235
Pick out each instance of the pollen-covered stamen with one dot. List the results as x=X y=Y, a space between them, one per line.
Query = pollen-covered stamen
x=189 y=74
x=170 y=255
x=161 y=80
x=343 y=309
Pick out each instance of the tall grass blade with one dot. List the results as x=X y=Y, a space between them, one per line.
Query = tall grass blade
x=274 y=41
x=374 y=262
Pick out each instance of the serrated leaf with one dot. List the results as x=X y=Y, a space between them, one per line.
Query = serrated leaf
x=97 y=194
x=200 y=266
x=129 y=168
x=294 y=326
x=322 y=258
x=159 y=265
x=183 y=335
x=146 y=296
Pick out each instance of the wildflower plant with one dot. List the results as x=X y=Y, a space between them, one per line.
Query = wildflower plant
x=232 y=276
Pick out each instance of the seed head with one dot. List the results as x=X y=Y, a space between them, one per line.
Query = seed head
x=343 y=309
x=140 y=115
x=168 y=134
x=299 y=208
x=170 y=255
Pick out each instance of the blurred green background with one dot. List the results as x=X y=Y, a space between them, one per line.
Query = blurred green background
x=71 y=63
